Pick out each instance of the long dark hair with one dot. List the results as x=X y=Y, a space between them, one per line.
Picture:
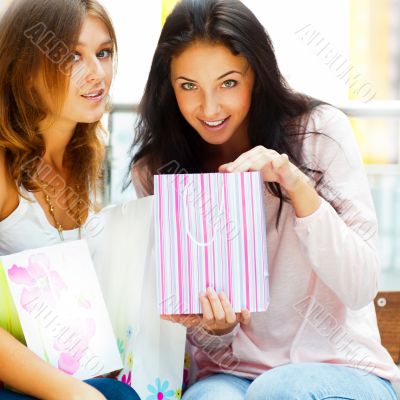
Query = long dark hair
x=276 y=112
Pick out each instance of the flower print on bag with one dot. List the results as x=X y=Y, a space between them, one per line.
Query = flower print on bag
x=127 y=378
x=159 y=391
x=125 y=375
x=40 y=282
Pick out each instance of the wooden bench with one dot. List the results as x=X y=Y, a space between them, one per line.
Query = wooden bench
x=387 y=305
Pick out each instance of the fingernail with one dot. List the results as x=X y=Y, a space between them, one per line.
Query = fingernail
x=210 y=291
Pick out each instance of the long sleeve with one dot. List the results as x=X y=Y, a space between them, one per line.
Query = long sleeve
x=209 y=342
x=329 y=257
x=339 y=239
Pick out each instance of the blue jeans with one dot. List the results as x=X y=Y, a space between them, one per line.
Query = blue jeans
x=304 y=381
x=110 y=388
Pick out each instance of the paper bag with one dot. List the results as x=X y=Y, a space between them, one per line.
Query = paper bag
x=152 y=349
x=210 y=232
x=61 y=308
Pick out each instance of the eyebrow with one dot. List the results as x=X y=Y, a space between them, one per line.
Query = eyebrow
x=220 y=77
x=105 y=43
x=228 y=73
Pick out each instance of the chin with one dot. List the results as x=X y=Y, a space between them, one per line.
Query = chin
x=91 y=119
x=218 y=141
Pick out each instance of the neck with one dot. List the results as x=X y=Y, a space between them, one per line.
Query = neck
x=56 y=136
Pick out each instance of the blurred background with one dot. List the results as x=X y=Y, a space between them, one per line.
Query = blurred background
x=346 y=52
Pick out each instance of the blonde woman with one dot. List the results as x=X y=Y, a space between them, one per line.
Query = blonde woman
x=56 y=67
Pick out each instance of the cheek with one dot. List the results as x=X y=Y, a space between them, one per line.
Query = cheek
x=185 y=104
x=72 y=94
x=246 y=96
x=109 y=71
x=245 y=101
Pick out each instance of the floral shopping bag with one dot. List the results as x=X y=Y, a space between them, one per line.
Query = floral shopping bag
x=152 y=349
x=54 y=293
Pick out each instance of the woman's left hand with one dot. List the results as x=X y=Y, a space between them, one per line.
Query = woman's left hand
x=274 y=167
x=277 y=168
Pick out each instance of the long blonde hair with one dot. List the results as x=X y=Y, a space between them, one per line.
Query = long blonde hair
x=38 y=37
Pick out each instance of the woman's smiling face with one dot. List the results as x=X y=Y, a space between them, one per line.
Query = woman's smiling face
x=90 y=78
x=213 y=88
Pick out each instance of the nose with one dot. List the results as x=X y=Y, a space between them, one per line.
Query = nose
x=211 y=105
x=89 y=75
x=95 y=71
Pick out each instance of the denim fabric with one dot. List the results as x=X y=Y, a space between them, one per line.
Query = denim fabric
x=303 y=381
x=111 y=389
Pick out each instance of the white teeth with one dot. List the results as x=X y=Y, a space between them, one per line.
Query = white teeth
x=214 y=123
x=92 y=94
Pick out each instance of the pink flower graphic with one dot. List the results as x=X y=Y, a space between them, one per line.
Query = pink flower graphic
x=43 y=286
x=40 y=282
x=73 y=343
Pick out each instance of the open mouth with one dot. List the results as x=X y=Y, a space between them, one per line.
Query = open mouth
x=214 y=124
x=94 y=95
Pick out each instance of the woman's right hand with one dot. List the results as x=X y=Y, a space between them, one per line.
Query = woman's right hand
x=218 y=315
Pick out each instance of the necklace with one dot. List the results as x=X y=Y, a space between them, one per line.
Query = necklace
x=59 y=227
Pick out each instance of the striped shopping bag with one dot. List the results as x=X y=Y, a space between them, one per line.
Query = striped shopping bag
x=210 y=232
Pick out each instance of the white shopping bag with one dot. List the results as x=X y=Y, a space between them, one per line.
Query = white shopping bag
x=61 y=308
x=152 y=349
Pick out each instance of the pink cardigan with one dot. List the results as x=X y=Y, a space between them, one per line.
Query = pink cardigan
x=323 y=270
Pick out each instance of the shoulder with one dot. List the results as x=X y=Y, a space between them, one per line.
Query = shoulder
x=329 y=137
x=8 y=191
x=329 y=120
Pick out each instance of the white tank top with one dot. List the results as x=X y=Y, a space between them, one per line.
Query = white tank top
x=27 y=227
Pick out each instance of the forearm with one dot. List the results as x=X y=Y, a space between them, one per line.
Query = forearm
x=304 y=198
x=340 y=257
x=207 y=341
x=24 y=371
x=345 y=261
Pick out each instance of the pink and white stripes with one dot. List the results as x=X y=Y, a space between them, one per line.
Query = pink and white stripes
x=210 y=232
